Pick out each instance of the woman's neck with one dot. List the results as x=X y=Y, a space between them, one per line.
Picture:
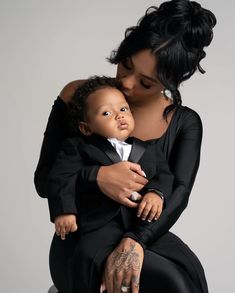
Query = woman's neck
x=155 y=107
x=149 y=120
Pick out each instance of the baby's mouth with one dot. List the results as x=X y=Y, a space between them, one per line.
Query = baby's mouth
x=122 y=124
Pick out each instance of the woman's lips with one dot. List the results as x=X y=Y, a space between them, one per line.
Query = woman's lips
x=125 y=93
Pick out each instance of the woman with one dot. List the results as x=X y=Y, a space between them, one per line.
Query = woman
x=164 y=49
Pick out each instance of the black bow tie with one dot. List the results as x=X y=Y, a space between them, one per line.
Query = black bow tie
x=129 y=140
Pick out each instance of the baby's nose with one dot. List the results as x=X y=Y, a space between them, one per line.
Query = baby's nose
x=120 y=115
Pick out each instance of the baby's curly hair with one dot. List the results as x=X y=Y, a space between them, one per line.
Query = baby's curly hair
x=77 y=107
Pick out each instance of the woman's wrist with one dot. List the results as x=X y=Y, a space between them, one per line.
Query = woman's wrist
x=100 y=177
x=134 y=240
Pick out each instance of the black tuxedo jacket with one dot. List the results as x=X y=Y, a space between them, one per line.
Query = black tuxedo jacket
x=68 y=194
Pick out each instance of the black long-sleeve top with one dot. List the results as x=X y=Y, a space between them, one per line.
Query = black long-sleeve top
x=181 y=144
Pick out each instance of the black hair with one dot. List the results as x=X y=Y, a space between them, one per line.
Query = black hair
x=77 y=107
x=176 y=32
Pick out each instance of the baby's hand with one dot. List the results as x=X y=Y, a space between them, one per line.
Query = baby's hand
x=65 y=224
x=150 y=207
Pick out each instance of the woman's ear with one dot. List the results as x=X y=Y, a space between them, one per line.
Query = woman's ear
x=84 y=128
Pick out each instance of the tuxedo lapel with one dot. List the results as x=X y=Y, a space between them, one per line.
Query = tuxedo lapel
x=103 y=145
x=137 y=151
x=99 y=145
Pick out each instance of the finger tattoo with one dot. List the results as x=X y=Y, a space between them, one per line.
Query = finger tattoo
x=135 y=281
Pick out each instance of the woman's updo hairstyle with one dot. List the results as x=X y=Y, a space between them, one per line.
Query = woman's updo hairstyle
x=176 y=32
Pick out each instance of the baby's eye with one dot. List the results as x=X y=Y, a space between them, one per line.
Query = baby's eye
x=106 y=113
x=124 y=109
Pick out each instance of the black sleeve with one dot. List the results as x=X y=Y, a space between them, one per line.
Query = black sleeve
x=163 y=180
x=62 y=180
x=184 y=162
x=56 y=132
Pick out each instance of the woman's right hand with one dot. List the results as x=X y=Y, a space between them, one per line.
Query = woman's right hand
x=119 y=180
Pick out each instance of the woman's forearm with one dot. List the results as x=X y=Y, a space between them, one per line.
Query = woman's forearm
x=184 y=163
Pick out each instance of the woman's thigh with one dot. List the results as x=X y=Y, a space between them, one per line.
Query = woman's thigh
x=174 y=249
x=75 y=263
x=160 y=275
x=90 y=254
x=60 y=255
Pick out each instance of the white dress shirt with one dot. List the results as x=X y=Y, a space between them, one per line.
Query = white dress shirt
x=121 y=147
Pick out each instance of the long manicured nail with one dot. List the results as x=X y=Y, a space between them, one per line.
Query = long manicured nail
x=144 y=173
x=101 y=288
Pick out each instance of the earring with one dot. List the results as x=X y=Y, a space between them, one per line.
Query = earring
x=167 y=93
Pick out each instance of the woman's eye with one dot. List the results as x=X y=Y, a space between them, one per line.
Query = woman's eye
x=126 y=65
x=145 y=85
x=106 y=113
x=124 y=109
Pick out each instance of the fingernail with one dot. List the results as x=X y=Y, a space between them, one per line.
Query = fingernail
x=101 y=289
x=149 y=221
x=144 y=173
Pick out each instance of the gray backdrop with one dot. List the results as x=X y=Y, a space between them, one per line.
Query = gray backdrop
x=46 y=44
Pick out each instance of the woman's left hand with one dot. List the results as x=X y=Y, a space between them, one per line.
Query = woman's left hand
x=122 y=268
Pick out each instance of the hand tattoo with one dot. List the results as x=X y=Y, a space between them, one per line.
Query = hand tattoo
x=125 y=260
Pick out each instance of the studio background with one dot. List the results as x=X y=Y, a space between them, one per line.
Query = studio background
x=46 y=44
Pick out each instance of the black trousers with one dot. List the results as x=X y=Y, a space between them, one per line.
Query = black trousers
x=76 y=264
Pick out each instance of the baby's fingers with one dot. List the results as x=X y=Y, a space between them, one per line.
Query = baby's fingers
x=61 y=230
x=58 y=228
x=158 y=214
x=146 y=211
x=152 y=214
x=141 y=208
x=74 y=227
x=63 y=233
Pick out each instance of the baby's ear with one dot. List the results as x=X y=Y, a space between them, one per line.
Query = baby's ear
x=84 y=128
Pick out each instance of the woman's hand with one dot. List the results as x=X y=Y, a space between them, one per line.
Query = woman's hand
x=123 y=267
x=119 y=180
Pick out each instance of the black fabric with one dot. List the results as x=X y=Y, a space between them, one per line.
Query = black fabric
x=67 y=193
x=85 y=262
x=181 y=145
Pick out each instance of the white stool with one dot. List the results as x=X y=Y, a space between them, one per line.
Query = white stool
x=52 y=289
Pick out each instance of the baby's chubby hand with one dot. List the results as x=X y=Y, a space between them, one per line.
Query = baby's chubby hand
x=150 y=207
x=65 y=224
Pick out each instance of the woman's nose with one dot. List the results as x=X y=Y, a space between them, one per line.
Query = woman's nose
x=128 y=82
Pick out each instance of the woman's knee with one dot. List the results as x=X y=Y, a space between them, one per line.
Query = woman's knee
x=164 y=275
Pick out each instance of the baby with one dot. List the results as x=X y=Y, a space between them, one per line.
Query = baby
x=100 y=116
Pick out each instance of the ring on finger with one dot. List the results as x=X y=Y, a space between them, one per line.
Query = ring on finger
x=125 y=288
x=135 y=196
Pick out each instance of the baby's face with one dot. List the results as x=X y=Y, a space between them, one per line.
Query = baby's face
x=108 y=114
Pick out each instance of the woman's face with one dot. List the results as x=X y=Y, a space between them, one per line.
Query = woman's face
x=138 y=77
